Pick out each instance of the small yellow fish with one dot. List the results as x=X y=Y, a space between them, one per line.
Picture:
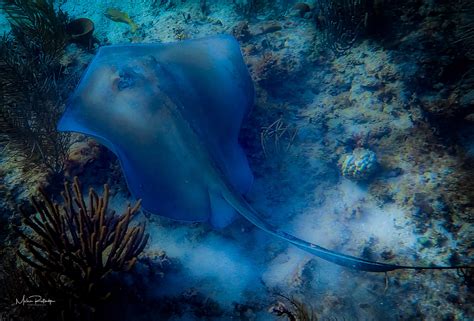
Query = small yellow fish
x=116 y=15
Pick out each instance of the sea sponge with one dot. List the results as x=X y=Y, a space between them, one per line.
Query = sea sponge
x=358 y=165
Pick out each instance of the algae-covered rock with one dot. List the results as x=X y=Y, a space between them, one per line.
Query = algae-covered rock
x=241 y=31
x=300 y=9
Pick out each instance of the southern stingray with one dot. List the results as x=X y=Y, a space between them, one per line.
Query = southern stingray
x=172 y=114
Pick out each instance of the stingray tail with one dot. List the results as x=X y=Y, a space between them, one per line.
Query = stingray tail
x=241 y=206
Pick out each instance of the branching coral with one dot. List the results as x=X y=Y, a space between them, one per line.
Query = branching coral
x=32 y=85
x=75 y=245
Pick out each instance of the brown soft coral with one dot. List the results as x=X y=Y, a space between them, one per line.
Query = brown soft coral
x=73 y=246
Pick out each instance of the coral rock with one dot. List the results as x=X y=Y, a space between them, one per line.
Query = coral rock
x=359 y=165
x=269 y=69
x=241 y=31
x=81 y=154
x=271 y=26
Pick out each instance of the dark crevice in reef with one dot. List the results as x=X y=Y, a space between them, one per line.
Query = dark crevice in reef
x=433 y=36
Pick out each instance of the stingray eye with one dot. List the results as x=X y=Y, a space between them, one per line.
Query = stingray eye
x=126 y=80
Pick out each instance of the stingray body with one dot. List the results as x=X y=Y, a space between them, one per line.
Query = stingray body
x=172 y=114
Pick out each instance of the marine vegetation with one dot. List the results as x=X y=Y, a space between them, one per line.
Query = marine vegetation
x=342 y=21
x=37 y=25
x=72 y=247
x=31 y=98
x=120 y=16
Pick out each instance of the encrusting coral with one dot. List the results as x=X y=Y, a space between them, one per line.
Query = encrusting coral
x=74 y=246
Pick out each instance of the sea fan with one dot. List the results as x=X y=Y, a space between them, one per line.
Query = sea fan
x=342 y=21
x=32 y=85
x=37 y=25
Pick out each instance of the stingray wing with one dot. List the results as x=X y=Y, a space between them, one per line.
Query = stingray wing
x=213 y=87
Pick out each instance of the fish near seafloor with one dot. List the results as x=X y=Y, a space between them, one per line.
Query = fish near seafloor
x=120 y=16
x=172 y=115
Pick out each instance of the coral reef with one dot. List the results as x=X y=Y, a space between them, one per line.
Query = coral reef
x=359 y=165
x=74 y=246
x=81 y=155
x=269 y=69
